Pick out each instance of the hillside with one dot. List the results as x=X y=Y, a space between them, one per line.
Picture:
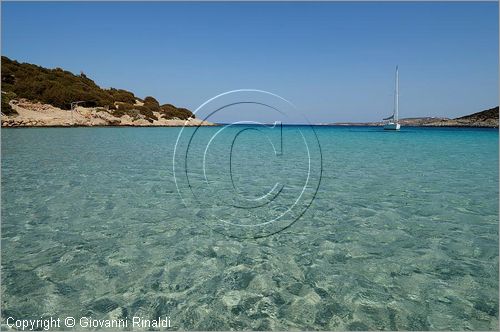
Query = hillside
x=487 y=115
x=27 y=84
x=486 y=118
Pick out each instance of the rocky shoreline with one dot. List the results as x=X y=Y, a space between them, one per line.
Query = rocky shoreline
x=31 y=114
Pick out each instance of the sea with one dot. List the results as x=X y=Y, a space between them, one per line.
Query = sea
x=251 y=227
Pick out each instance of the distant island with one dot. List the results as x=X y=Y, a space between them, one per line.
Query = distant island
x=485 y=119
x=33 y=96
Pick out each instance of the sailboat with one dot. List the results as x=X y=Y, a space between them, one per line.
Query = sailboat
x=393 y=119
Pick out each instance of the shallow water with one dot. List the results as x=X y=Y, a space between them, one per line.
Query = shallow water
x=402 y=233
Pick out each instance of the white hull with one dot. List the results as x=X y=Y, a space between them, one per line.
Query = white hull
x=392 y=126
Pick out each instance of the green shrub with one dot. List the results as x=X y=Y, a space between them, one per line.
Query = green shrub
x=124 y=106
x=152 y=104
x=8 y=78
x=169 y=111
x=134 y=114
x=151 y=100
x=185 y=113
x=122 y=95
x=147 y=112
x=134 y=111
x=6 y=108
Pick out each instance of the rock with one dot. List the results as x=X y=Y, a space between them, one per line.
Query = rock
x=312 y=298
x=231 y=299
x=262 y=285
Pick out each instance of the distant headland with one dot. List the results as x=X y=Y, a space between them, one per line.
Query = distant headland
x=33 y=96
x=484 y=119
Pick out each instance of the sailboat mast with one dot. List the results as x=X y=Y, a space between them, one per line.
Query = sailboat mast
x=396 y=115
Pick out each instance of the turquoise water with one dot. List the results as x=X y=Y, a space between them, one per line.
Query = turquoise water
x=393 y=231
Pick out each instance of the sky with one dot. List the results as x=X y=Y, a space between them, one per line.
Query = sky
x=334 y=61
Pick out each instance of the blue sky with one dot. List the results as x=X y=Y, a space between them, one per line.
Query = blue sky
x=335 y=61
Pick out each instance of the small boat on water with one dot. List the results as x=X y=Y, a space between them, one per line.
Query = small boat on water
x=392 y=123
